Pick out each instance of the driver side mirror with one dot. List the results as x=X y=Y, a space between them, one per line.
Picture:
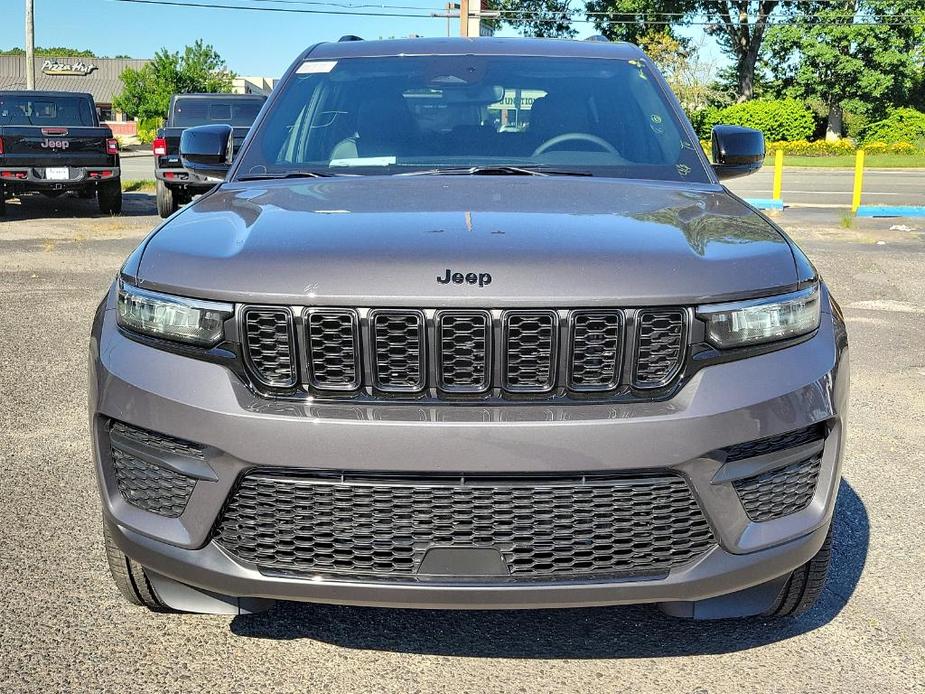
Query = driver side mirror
x=737 y=151
x=207 y=149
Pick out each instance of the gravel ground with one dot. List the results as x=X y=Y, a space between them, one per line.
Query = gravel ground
x=65 y=628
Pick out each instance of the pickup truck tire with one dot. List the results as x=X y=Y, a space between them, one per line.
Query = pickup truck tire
x=129 y=577
x=805 y=584
x=167 y=202
x=109 y=196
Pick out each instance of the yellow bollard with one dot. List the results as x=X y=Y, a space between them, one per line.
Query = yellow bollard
x=858 y=180
x=778 y=174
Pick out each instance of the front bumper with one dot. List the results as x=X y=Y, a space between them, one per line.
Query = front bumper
x=722 y=405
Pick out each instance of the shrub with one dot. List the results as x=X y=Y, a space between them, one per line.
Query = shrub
x=778 y=119
x=147 y=129
x=818 y=148
x=903 y=125
x=890 y=148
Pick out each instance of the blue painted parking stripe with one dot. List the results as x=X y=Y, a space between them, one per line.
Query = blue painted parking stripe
x=891 y=211
x=765 y=203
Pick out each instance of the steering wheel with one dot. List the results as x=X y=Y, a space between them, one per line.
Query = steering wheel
x=584 y=137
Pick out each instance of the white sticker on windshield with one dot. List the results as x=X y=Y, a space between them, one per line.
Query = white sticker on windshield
x=314 y=66
x=363 y=161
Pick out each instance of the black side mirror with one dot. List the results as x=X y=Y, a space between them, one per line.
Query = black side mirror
x=207 y=149
x=737 y=151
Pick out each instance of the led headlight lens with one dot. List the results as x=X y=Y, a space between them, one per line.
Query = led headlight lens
x=758 y=321
x=169 y=317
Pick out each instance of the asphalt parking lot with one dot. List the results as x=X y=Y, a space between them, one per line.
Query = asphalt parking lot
x=64 y=627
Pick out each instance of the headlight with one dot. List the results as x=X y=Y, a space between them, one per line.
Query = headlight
x=172 y=317
x=758 y=321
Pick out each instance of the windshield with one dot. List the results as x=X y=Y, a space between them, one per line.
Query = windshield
x=397 y=114
x=235 y=112
x=58 y=110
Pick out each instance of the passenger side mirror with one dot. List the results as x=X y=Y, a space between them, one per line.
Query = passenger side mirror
x=737 y=151
x=207 y=149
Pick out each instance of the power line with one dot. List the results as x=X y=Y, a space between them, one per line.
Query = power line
x=342 y=9
x=212 y=5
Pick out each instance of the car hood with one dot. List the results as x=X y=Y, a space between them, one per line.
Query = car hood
x=385 y=240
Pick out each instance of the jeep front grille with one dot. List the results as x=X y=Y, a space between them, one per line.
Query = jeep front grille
x=464 y=351
x=529 y=351
x=526 y=353
x=345 y=526
x=268 y=342
x=659 y=346
x=332 y=339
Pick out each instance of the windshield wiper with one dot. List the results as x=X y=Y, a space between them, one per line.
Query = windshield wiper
x=497 y=170
x=288 y=174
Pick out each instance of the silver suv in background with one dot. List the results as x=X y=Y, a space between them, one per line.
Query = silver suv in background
x=469 y=324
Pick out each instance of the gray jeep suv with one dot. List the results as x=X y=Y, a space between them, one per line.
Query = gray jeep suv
x=469 y=324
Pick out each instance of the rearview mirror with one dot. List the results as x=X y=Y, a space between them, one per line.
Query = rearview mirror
x=207 y=149
x=737 y=151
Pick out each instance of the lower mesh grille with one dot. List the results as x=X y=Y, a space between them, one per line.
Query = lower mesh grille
x=291 y=524
x=151 y=487
x=779 y=493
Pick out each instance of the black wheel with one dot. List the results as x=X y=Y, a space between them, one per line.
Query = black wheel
x=130 y=578
x=167 y=202
x=109 y=196
x=2 y=204
x=805 y=585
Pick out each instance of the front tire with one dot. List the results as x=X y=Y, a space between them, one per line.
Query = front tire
x=805 y=585
x=130 y=578
x=167 y=202
x=109 y=197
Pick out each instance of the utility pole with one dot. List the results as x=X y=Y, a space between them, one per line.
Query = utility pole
x=30 y=46
x=463 y=17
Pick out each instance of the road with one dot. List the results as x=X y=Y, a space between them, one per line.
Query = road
x=64 y=628
x=815 y=187
x=831 y=187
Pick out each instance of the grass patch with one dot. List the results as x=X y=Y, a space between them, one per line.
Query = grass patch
x=847 y=220
x=871 y=161
x=144 y=186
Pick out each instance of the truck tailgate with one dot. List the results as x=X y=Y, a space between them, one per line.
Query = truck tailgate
x=54 y=146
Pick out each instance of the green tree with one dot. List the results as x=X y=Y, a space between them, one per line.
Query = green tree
x=146 y=92
x=52 y=52
x=863 y=56
x=639 y=21
x=545 y=18
x=739 y=26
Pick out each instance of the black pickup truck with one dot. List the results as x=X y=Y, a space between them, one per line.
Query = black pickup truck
x=52 y=143
x=176 y=185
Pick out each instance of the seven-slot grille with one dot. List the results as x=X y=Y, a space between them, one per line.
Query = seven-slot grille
x=354 y=527
x=466 y=351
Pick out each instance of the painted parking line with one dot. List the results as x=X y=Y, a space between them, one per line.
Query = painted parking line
x=891 y=211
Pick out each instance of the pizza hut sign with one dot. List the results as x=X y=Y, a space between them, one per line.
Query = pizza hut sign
x=79 y=69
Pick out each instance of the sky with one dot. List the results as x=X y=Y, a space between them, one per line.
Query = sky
x=252 y=43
